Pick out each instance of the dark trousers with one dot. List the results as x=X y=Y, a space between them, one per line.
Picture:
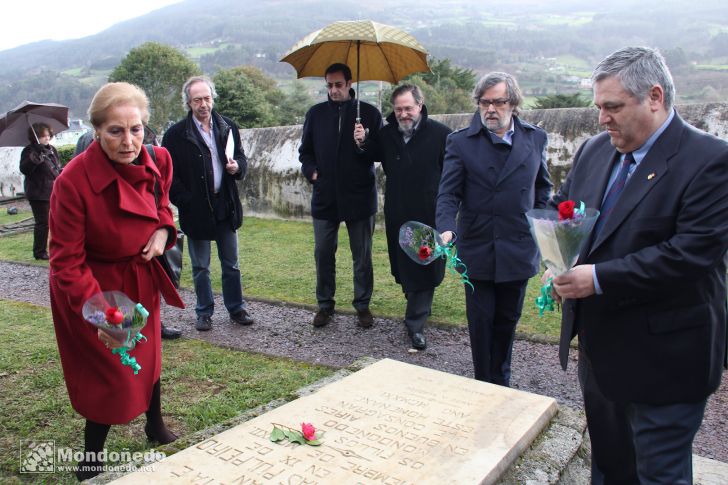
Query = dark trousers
x=493 y=310
x=640 y=444
x=326 y=241
x=419 y=306
x=40 y=230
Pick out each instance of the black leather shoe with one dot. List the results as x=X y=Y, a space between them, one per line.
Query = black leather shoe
x=43 y=256
x=366 y=319
x=322 y=317
x=241 y=318
x=169 y=333
x=204 y=323
x=419 y=341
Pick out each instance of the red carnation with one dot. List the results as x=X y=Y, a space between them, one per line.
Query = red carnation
x=114 y=316
x=566 y=210
x=424 y=252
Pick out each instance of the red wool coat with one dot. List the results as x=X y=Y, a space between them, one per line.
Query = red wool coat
x=102 y=215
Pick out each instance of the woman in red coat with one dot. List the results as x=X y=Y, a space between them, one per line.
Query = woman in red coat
x=106 y=229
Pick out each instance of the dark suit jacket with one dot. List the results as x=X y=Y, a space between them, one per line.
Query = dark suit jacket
x=490 y=203
x=657 y=334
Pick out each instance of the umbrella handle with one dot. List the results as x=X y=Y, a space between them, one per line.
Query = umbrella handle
x=358 y=107
x=27 y=120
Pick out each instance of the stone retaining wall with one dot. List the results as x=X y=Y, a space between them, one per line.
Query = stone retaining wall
x=275 y=187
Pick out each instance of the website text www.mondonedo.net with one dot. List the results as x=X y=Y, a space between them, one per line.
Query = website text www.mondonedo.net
x=46 y=457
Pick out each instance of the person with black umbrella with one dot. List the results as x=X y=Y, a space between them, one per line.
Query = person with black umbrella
x=40 y=164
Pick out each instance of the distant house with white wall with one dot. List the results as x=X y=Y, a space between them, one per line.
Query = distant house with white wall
x=76 y=128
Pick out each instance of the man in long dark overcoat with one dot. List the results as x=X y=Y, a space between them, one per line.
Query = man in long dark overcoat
x=411 y=148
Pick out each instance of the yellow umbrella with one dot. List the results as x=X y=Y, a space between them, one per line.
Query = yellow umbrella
x=372 y=50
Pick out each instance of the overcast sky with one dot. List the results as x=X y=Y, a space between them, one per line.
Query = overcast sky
x=25 y=21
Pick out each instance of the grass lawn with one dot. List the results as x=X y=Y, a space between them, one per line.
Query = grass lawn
x=202 y=385
x=6 y=218
x=276 y=258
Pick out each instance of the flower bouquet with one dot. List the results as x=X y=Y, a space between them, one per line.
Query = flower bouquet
x=560 y=236
x=114 y=313
x=424 y=244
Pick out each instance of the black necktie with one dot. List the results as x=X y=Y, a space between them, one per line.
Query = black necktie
x=614 y=192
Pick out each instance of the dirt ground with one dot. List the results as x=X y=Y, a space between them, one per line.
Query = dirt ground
x=286 y=331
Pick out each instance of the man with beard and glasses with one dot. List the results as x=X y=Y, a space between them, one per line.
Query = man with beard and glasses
x=495 y=170
x=411 y=148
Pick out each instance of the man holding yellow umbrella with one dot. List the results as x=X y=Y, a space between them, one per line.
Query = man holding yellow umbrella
x=344 y=187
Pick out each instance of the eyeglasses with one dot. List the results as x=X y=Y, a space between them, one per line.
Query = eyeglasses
x=498 y=103
x=405 y=109
x=337 y=85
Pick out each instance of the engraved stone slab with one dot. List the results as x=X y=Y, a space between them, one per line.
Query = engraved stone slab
x=390 y=423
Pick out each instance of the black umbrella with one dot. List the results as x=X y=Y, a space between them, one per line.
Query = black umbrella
x=15 y=123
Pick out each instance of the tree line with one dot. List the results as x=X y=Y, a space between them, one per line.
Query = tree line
x=253 y=99
x=246 y=93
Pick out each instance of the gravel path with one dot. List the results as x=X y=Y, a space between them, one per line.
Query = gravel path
x=286 y=331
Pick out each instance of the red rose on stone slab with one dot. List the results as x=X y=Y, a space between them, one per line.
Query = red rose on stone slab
x=566 y=210
x=308 y=430
x=424 y=252
x=307 y=435
x=114 y=316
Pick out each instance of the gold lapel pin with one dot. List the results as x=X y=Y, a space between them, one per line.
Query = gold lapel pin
x=651 y=176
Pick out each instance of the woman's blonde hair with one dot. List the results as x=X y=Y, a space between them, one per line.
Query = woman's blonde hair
x=117 y=94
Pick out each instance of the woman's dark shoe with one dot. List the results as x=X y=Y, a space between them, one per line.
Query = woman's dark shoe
x=42 y=256
x=88 y=470
x=162 y=436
